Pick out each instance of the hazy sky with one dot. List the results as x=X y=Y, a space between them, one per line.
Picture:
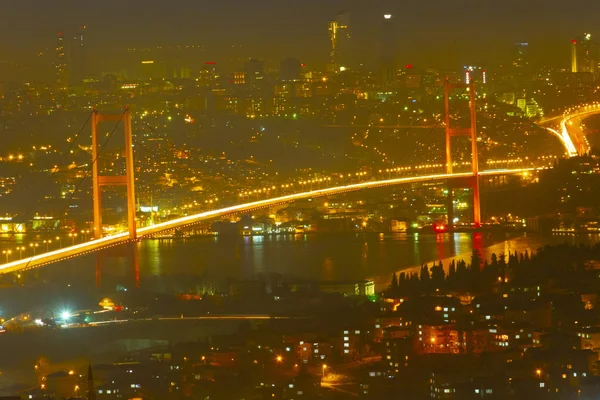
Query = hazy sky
x=278 y=28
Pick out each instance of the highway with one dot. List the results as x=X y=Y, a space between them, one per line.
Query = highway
x=145 y=232
x=569 y=131
x=208 y=317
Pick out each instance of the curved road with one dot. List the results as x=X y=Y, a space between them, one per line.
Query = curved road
x=569 y=128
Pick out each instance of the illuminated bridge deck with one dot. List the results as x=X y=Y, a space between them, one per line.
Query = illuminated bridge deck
x=121 y=238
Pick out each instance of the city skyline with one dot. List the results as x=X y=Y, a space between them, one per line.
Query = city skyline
x=272 y=30
x=242 y=200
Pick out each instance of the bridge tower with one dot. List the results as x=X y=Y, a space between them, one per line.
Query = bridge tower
x=473 y=181
x=127 y=180
x=128 y=251
x=100 y=181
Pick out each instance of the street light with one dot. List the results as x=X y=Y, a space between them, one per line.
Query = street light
x=20 y=250
x=324 y=368
x=59 y=241
x=279 y=359
x=34 y=246
x=73 y=236
x=47 y=243
x=7 y=253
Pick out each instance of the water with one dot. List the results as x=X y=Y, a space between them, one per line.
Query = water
x=183 y=265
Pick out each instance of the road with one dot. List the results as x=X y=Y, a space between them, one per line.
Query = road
x=146 y=232
x=569 y=128
x=226 y=317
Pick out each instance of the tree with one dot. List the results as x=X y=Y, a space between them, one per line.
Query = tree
x=438 y=275
x=502 y=267
x=394 y=284
x=452 y=270
x=494 y=260
x=425 y=278
x=476 y=259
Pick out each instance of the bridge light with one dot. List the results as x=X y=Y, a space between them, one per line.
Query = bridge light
x=439 y=228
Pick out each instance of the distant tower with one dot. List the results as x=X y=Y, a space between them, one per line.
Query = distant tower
x=78 y=67
x=60 y=63
x=340 y=38
x=584 y=55
x=91 y=394
x=574 y=56
x=387 y=51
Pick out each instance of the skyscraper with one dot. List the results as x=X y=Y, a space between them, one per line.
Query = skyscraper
x=584 y=55
x=387 y=51
x=520 y=68
x=78 y=68
x=574 y=68
x=290 y=69
x=254 y=71
x=340 y=38
x=60 y=63
x=521 y=55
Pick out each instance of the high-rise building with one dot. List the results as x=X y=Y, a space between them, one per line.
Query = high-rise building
x=78 y=68
x=290 y=69
x=584 y=55
x=60 y=63
x=387 y=51
x=209 y=75
x=340 y=38
x=574 y=56
x=521 y=55
x=254 y=71
x=520 y=69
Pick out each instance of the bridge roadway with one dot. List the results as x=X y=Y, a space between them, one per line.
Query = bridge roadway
x=149 y=231
x=571 y=135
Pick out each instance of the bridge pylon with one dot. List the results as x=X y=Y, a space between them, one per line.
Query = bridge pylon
x=123 y=180
x=128 y=251
x=471 y=131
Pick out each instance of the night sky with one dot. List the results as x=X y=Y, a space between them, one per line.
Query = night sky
x=481 y=30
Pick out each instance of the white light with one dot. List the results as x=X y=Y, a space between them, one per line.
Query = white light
x=65 y=315
x=387 y=16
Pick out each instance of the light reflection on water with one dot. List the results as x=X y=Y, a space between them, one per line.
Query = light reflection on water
x=168 y=265
x=324 y=256
x=519 y=244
